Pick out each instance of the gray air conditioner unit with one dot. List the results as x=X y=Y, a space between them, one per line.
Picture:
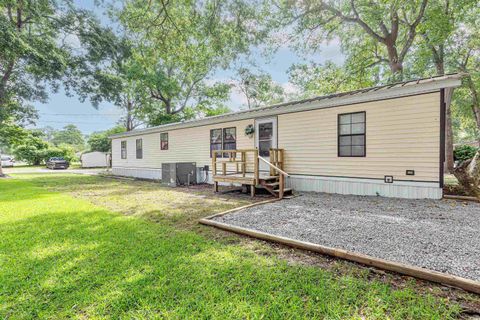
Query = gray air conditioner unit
x=180 y=173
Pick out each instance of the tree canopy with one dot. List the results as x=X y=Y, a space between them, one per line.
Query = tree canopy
x=100 y=141
x=259 y=89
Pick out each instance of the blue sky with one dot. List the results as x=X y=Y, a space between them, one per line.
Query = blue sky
x=61 y=110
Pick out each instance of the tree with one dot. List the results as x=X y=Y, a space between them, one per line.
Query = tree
x=196 y=38
x=389 y=28
x=10 y=133
x=35 y=53
x=436 y=46
x=107 y=73
x=32 y=150
x=329 y=78
x=69 y=135
x=259 y=89
x=35 y=48
x=46 y=133
x=100 y=141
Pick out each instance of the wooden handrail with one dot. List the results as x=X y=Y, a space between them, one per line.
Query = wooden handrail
x=234 y=150
x=239 y=158
x=274 y=166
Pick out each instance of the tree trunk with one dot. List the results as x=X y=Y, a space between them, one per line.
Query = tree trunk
x=1 y=169
x=129 y=120
x=449 y=140
x=475 y=102
x=468 y=175
x=440 y=66
x=396 y=66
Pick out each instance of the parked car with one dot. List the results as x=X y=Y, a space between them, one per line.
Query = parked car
x=7 y=161
x=57 y=163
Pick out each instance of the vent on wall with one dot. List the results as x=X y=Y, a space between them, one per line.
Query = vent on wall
x=388 y=179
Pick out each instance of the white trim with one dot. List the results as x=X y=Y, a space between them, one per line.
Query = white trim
x=381 y=93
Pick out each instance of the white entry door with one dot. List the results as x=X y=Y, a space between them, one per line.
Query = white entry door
x=265 y=138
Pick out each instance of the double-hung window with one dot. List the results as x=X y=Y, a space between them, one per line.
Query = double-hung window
x=215 y=141
x=223 y=139
x=230 y=138
x=139 y=149
x=164 y=141
x=123 y=149
x=351 y=134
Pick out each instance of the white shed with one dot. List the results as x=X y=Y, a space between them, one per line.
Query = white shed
x=95 y=159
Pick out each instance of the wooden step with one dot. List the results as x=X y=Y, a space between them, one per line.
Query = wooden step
x=266 y=178
x=284 y=190
x=272 y=184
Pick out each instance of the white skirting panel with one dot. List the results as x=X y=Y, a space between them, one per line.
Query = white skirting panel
x=142 y=173
x=153 y=174
x=366 y=187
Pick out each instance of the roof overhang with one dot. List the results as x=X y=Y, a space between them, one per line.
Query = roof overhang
x=397 y=90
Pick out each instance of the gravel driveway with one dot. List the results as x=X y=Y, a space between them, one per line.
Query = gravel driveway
x=442 y=235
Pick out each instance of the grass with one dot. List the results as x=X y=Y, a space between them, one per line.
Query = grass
x=89 y=247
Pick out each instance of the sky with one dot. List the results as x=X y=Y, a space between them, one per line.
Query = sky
x=61 y=110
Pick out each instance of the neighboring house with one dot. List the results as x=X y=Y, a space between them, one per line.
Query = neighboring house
x=95 y=159
x=386 y=141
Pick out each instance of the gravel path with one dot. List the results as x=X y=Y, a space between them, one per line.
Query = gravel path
x=439 y=235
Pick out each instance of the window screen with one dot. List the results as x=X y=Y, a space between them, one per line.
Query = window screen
x=351 y=134
x=124 y=149
x=223 y=139
x=229 y=139
x=215 y=141
x=139 y=149
x=265 y=138
x=164 y=141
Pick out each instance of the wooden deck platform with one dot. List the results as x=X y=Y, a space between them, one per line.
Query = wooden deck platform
x=234 y=170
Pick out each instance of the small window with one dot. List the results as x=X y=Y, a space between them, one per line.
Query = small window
x=351 y=134
x=139 y=149
x=215 y=141
x=164 y=141
x=124 y=149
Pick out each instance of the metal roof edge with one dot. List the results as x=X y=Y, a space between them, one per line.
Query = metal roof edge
x=390 y=91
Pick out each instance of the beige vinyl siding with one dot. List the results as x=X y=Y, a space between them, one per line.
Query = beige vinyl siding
x=184 y=145
x=401 y=134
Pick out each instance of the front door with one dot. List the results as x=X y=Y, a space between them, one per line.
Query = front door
x=265 y=138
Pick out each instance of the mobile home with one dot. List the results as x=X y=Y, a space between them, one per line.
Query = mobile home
x=386 y=141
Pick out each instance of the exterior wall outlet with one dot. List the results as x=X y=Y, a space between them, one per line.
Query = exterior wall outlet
x=388 y=179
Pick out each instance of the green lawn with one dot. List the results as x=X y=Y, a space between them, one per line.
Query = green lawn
x=76 y=247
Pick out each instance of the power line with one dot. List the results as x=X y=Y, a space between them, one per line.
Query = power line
x=81 y=114
x=69 y=121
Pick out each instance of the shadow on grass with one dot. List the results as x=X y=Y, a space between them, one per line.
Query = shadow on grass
x=63 y=257
x=180 y=207
x=98 y=264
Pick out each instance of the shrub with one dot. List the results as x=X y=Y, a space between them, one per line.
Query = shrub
x=464 y=152
x=32 y=150
x=35 y=151
x=64 y=151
